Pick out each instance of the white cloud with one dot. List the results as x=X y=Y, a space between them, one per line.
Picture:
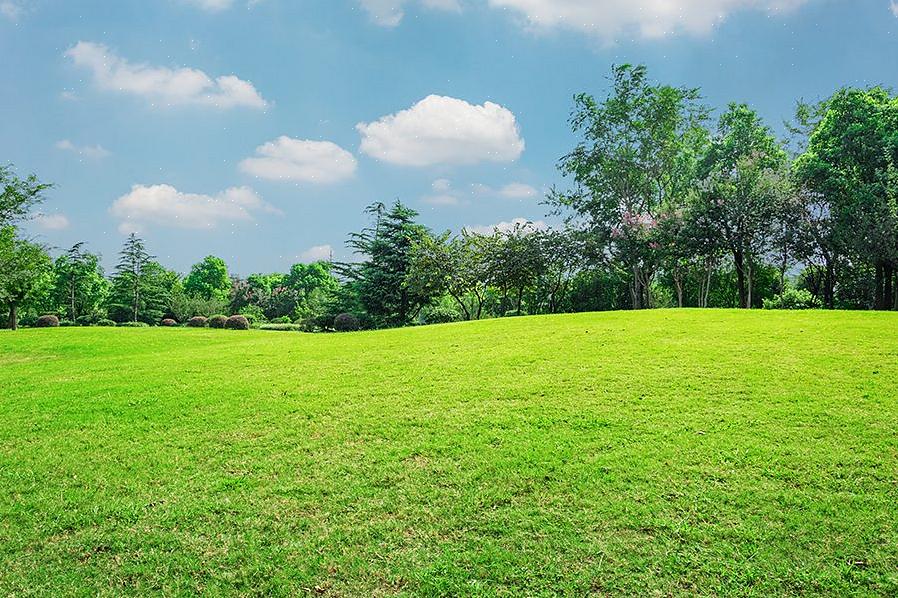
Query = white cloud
x=443 y=194
x=94 y=152
x=11 y=10
x=164 y=205
x=894 y=7
x=212 y=5
x=389 y=13
x=52 y=221
x=301 y=160
x=181 y=86
x=318 y=253
x=443 y=130
x=508 y=225
x=518 y=191
x=610 y=19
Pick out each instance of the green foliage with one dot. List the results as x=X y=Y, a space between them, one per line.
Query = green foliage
x=208 y=280
x=105 y=322
x=18 y=196
x=253 y=314
x=141 y=288
x=283 y=327
x=133 y=325
x=237 y=322
x=79 y=286
x=183 y=307
x=792 y=298
x=381 y=278
x=441 y=314
x=24 y=272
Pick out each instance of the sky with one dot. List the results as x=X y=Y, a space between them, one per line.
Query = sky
x=258 y=130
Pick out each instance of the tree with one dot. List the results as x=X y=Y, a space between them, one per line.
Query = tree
x=450 y=265
x=78 y=282
x=208 y=279
x=637 y=156
x=849 y=169
x=141 y=288
x=744 y=190
x=18 y=196
x=24 y=267
x=381 y=276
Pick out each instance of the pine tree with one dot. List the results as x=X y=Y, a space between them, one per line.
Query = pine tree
x=138 y=286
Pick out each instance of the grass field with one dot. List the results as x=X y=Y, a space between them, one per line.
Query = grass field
x=662 y=452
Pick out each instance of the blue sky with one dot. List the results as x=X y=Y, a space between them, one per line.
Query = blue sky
x=257 y=130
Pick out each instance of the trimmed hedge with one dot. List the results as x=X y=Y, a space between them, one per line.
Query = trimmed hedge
x=237 y=322
x=346 y=323
x=217 y=321
x=197 y=322
x=283 y=327
x=106 y=322
x=133 y=325
x=47 y=321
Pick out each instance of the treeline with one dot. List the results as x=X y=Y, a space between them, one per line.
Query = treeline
x=667 y=208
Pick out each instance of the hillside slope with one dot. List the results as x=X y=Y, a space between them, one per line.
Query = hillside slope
x=679 y=452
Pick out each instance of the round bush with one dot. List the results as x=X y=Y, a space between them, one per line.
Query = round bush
x=105 y=322
x=133 y=325
x=46 y=322
x=169 y=322
x=237 y=322
x=218 y=321
x=346 y=323
x=282 y=320
x=441 y=315
x=196 y=322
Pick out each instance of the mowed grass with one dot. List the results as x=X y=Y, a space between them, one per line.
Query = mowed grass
x=652 y=453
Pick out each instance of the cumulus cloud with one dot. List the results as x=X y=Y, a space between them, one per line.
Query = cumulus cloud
x=508 y=225
x=443 y=130
x=389 y=13
x=52 y=221
x=518 y=191
x=94 y=152
x=302 y=160
x=163 y=85
x=318 y=253
x=166 y=206
x=609 y=19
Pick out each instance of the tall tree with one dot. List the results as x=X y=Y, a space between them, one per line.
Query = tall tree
x=208 y=279
x=79 y=286
x=386 y=247
x=744 y=190
x=24 y=266
x=140 y=286
x=850 y=166
x=632 y=162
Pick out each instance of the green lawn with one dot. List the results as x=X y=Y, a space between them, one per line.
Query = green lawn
x=661 y=452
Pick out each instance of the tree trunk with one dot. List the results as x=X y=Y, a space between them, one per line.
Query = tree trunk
x=887 y=297
x=748 y=284
x=462 y=305
x=878 y=283
x=739 y=263
x=829 y=285
x=13 y=316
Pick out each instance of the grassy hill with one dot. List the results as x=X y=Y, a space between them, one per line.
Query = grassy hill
x=671 y=452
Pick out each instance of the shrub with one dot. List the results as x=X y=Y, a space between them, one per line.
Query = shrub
x=253 y=314
x=218 y=321
x=441 y=314
x=513 y=313
x=133 y=325
x=46 y=322
x=792 y=299
x=283 y=327
x=105 y=322
x=169 y=322
x=197 y=322
x=346 y=323
x=237 y=322
x=282 y=320
x=86 y=320
x=67 y=323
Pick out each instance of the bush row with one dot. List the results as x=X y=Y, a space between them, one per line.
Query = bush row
x=342 y=323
